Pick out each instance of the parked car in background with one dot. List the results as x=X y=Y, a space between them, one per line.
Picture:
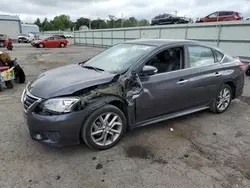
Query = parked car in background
x=129 y=85
x=69 y=36
x=61 y=36
x=3 y=38
x=221 y=16
x=163 y=19
x=26 y=38
x=22 y=39
x=53 y=41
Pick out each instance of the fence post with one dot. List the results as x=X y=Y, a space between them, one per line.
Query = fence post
x=93 y=40
x=74 y=35
x=218 y=37
x=186 y=30
x=111 y=37
x=86 y=42
x=159 y=33
x=102 y=38
x=124 y=35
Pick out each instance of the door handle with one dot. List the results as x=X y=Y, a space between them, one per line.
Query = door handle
x=217 y=74
x=182 y=81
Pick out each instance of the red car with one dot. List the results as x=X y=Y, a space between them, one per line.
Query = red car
x=221 y=16
x=53 y=41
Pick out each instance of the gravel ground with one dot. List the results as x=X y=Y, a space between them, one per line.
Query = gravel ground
x=204 y=150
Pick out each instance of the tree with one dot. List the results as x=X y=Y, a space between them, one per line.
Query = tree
x=38 y=22
x=63 y=22
x=80 y=22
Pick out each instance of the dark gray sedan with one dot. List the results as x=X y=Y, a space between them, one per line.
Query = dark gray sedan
x=129 y=85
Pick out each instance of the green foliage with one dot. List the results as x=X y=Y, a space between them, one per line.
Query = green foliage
x=63 y=23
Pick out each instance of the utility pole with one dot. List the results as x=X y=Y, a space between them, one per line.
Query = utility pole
x=175 y=12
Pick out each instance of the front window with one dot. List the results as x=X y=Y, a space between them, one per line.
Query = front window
x=214 y=15
x=119 y=58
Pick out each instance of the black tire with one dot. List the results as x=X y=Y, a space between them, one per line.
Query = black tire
x=2 y=44
x=41 y=45
x=214 y=108
x=87 y=126
x=247 y=71
x=9 y=84
x=62 y=45
x=1 y=87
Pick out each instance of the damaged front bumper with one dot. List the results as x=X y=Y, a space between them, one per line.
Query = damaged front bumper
x=56 y=130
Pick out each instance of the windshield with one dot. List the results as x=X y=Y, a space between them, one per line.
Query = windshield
x=118 y=58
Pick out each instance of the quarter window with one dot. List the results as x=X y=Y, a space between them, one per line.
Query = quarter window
x=218 y=56
x=200 y=56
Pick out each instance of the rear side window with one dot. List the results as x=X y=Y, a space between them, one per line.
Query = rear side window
x=200 y=56
x=225 y=13
x=218 y=56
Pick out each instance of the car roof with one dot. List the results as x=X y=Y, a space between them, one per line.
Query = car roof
x=161 y=42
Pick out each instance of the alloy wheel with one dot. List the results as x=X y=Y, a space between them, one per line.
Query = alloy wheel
x=223 y=99
x=106 y=129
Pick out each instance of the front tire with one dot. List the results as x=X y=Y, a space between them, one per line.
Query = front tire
x=104 y=128
x=222 y=100
x=41 y=45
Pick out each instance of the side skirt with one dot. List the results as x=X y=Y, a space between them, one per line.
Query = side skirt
x=168 y=116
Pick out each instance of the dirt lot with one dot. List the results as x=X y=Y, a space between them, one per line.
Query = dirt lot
x=204 y=150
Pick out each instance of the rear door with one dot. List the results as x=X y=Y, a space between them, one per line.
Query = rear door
x=225 y=16
x=206 y=73
x=57 y=41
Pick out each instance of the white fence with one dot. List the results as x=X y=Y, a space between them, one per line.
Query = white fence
x=233 y=37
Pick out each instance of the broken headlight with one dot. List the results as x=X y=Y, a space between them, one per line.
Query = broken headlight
x=59 y=105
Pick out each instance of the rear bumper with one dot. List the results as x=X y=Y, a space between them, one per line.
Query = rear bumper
x=240 y=86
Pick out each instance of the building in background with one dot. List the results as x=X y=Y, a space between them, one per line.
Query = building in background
x=30 y=28
x=10 y=25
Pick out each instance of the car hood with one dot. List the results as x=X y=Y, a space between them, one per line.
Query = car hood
x=67 y=80
x=37 y=41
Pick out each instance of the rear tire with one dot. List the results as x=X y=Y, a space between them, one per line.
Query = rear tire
x=247 y=72
x=1 y=87
x=222 y=100
x=62 y=45
x=2 y=44
x=100 y=134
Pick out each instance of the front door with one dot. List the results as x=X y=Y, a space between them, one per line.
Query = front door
x=212 y=17
x=167 y=91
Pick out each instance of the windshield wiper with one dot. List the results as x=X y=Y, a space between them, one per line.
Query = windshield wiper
x=93 y=68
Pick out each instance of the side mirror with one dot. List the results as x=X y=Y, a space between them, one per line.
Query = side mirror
x=149 y=70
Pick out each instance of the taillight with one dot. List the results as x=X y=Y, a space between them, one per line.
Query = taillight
x=242 y=66
x=236 y=16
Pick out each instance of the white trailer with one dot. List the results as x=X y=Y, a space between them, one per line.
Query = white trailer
x=10 y=25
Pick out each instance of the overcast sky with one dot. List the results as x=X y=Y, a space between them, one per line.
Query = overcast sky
x=29 y=10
